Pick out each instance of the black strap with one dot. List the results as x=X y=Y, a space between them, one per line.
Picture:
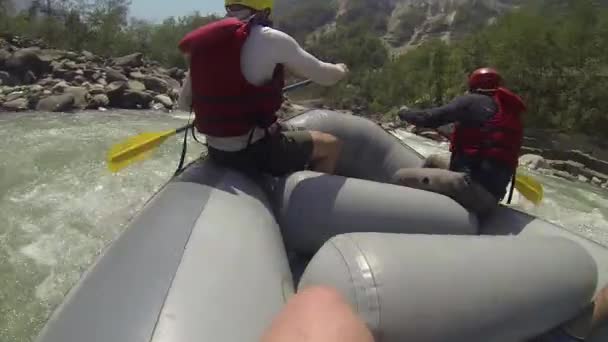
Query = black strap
x=512 y=190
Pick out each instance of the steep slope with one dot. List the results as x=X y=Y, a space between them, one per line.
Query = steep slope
x=401 y=23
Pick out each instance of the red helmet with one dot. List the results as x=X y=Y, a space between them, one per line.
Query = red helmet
x=485 y=79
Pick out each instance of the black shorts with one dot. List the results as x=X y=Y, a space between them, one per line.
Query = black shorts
x=277 y=154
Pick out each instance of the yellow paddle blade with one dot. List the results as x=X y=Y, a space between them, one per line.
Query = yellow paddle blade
x=135 y=149
x=529 y=188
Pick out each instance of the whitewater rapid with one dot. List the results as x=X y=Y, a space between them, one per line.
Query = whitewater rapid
x=60 y=206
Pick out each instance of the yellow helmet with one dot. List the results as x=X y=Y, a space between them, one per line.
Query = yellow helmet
x=258 y=5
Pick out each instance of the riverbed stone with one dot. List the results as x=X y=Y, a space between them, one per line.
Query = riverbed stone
x=16 y=105
x=164 y=100
x=81 y=96
x=113 y=76
x=56 y=103
x=136 y=85
x=133 y=60
x=99 y=100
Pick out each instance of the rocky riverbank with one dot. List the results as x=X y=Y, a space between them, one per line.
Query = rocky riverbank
x=49 y=80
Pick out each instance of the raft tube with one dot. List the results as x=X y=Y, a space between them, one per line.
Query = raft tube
x=205 y=260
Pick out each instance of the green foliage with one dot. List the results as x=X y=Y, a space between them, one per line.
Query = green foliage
x=553 y=55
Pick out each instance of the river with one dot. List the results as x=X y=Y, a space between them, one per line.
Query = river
x=60 y=206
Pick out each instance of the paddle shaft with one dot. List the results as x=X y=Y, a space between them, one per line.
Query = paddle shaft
x=285 y=90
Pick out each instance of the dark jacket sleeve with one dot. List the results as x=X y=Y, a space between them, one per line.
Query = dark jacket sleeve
x=455 y=111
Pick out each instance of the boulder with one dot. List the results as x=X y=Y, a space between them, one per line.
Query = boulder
x=102 y=81
x=533 y=161
x=60 y=87
x=583 y=179
x=14 y=95
x=81 y=96
x=572 y=167
x=96 y=89
x=88 y=56
x=131 y=99
x=28 y=59
x=596 y=181
x=164 y=100
x=136 y=75
x=56 y=103
x=116 y=88
x=36 y=88
x=133 y=60
x=113 y=76
x=136 y=85
x=70 y=65
x=99 y=100
x=176 y=73
x=16 y=105
x=156 y=84
x=48 y=82
x=173 y=84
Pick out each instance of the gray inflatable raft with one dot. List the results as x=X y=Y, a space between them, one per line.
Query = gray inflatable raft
x=212 y=256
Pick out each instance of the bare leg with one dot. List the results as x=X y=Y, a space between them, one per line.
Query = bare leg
x=326 y=151
x=317 y=314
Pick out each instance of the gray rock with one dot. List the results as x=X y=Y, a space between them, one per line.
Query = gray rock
x=96 y=76
x=36 y=88
x=48 y=82
x=164 y=100
x=56 y=103
x=88 y=55
x=102 y=81
x=28 y=59
x=2 y=99
x=14 y=95
x=47 y=92
x=99 y=100
x=60 y=87
x=583 y=179
x=135 y=100
x=29 y=77
x=176 y=73
x=132 y=60
x=533 y=161
x=605 y=185
x=596 y=181
x=79 y=80
x=70 y=65
x=113 y=76
x=136 y=86
x=156 y=84
x=81 y=96
x=569 y=166
x=136 y=75
x=173 y=84
x=16 y=105
x=96 y=89
x=116 y=88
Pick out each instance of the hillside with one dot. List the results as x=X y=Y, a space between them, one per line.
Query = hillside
x=401 y=24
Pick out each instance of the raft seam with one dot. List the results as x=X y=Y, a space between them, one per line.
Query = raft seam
x=181 y=259
x=373 y=286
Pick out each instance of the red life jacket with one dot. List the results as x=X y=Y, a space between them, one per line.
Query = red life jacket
x=500 y=138
x=224 y=102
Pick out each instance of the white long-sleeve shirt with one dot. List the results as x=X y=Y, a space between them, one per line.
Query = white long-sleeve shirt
x=264 y=49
